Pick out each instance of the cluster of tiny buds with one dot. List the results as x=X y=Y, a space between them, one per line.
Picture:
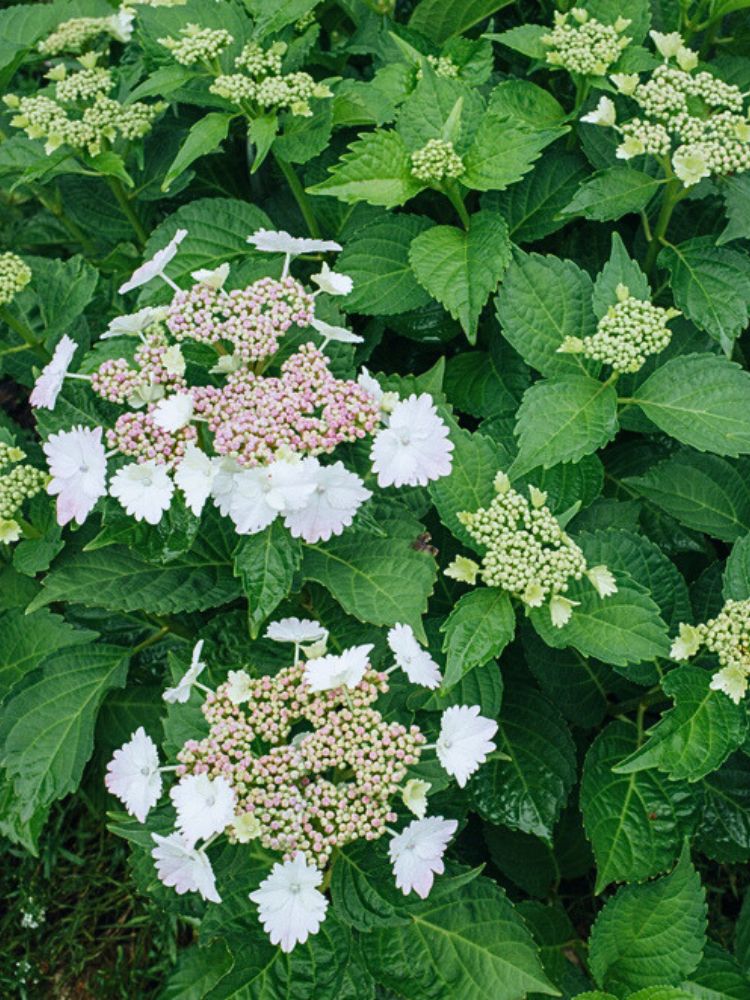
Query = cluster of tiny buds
x=443 y=66
x=137 y=435
x=626 y=335
x=581 y=44
x=527 y=552
x=17 y=484
x=728 y=636
x=73 y=35
x=252 y=319
x=83 y=85
x=14 y=276
x=436 y=161
x=196 y=44
x=322 y=788
x=158 y=365
x=305 y=410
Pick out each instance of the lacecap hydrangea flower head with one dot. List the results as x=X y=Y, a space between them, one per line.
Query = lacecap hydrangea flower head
x=727 y=636
x=253 y=434
x=527 y=552
x=303 y=762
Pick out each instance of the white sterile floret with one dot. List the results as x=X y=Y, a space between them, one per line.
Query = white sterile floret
x=204 y=806
x=280 y=241
x=340 y=334
x=417 y=853
x=290 y=905
x=667 y=44
x=183 y=867
x=296 y=630
x=690 y=164
x=239 y=686
x=155 y=266
x=246 y=827
x=195 y=476
x=173 y=412
x=120 y=25
x=50 y=380
x=414 y=448
x=132 y=324
x=133 y=774
x=561 y=610
x=326 y=673
x=463 y=569
x=78 y=466
x=415 y=661
x=180 y=693
x=214 y=278
x=687 y=643
x=331 y=282
x=144 y=489
x=465 y=740
x=414 y=796
x=732 y=681
x=337 y=496
x=224 y=486
x=625 y=82
x=603 y=581
x=603 y=114
x=262 y=493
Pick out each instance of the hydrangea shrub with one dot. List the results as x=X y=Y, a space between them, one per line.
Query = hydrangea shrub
x=374 y=505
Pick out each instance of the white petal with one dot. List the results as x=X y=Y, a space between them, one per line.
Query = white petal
x=290 y=905
x=144 y=490
x=464 y=742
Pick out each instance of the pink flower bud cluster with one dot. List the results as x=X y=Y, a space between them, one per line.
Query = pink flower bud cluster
x=331 y=784
x=137 y=435
x=116 y=381
x=307 y=410
x=252 y=319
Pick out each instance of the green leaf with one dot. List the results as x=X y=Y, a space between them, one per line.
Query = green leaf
x=612 y=193
x=30 y=640
x=525 y=102
x=198 y=970
x=526 y=39
x=486 y=384
x=704 y=492
x=469 y=945
x=702 y=400
x=736 y=582
x=266 y=563
x=575 y=684
x=711 y=285
x=718 y=977
x=381 y=580
x=462 y=268
x=652 y=934
x=621 y=629
x=563 y=419
x=47 y=729
x=62 y=289
x=376 y=169
x=696 y=735
x=529 y=791
x=532 y=206
x=377 y=260
x=206 y=136
x=541 y=301
x=270 y=16
x=478 y=629
x=636 y=822
x=363 y=891
x=503 y=151
x=736 y=192
x=440 y=106
x=620 y=269
x=724 y=829
x=439 y=20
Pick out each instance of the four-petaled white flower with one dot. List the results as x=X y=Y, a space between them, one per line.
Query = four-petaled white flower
x=732 y=681
x=134 y=323
x=238 y=686
x=690 y=165
x=183 y=867
x=331 y=282
x=346 y=670
x=417 y=853
x=180 y=693
x=414 y=796
x=260 y=494
x=50 y=380
x=687 y=643
x=195 y=476
x=296 y=630
x=668 y=44
x=414 y=448
x=78 y=465
x=340 y=334
x=144 y=489
x=415 y=661
x=133 y=774
x=290 y=905
x=603 y=114
x=204 y=806
x=173 y=412
x=336 y=497
x=603 y=580
x=213 y=278
x=155 y=267
x=465 y=740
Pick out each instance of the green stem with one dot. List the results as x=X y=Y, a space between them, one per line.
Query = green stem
x=300 y=196
x=152 y=640
x=25 y=333
x=115 y=186
x=672 y=194
x=453 y=194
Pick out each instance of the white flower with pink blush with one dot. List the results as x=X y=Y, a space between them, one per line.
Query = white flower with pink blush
x=337 y=496
x=326 y=673
x=415 y=661
x=133 y=775
x=155 y=266
x=204 y=806
x=414 y=449
x=50 y=380
x=184 y=868
x=417 y=853
x=465 y=740
x=144 y=489
x=78 y=466
x=290 y=905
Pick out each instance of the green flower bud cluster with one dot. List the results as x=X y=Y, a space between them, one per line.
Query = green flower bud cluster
x=581 y=44
x=436 y=161
x=84 y=85
x=17 y=482
x=728 y=636
x=527 y=552
x=626 y=335
x=304 y=22
x=197 y=45
x=14 y=277
x=74 y=35
x=641 y=136
x=259 y=62
x=443 y=66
